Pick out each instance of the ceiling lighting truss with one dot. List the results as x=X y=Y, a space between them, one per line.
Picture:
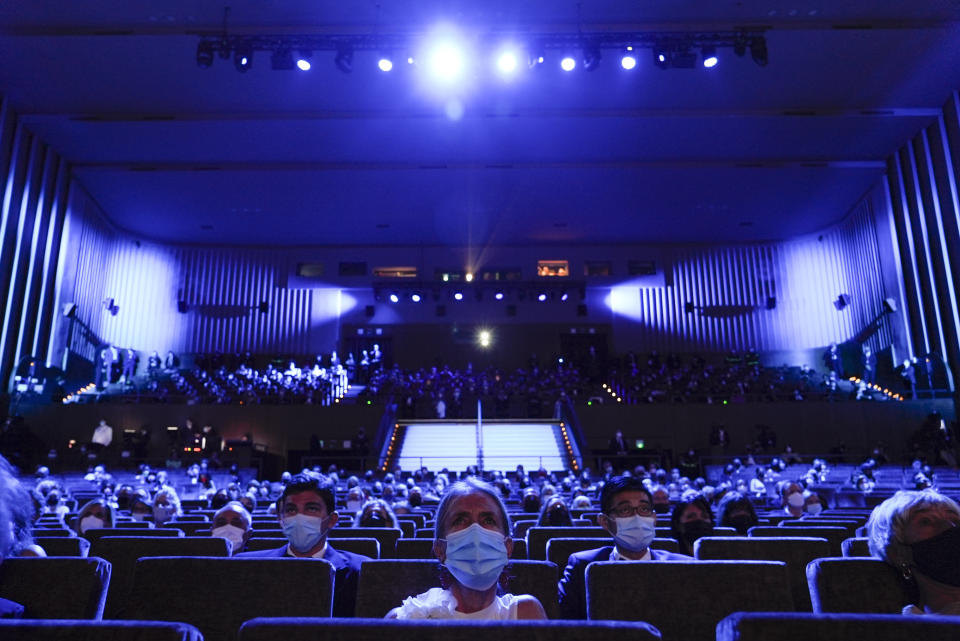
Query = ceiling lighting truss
x=670 y=49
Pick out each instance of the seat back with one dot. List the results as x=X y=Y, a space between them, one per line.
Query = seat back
x=786 y=626
x=65 y=546
x=653 y=591
x=795 y=552
x=538 y=536
x=856 y=546
x=855 y=585
x=124 y=551
x=384 y=584
x=443 y=630
x=97 y=533
x=68 y=630
x=56 y=587
x=387 y=537
x=218 y=594
x=365 y=546
x=256 y=544
x=835 y=535
x=423 y=549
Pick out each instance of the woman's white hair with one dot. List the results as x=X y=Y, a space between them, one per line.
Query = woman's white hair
x=888 y=520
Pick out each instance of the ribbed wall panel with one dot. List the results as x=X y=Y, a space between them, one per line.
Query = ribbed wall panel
x=923 y=183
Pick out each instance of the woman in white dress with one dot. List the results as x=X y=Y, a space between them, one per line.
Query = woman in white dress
x=473 y=544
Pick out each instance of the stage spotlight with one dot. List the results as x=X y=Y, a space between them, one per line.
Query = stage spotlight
x=568 y=63
x=458 y=296
x=303 y=61
x=484 y=338
x=385 y=63
x=758 y=51
x=709 y=53
x=507 y=62
x=415 y=297
x=629 y=59
x=468 y=277
x=542 y=296
x=536 y=57
x=281 y=60
x=205 y=54
x=445 y=61
x=344 y=58
x=661 y=57
x=243 y=58
x=564 y=296
x=591 y=57
x=498 y=295
x=394 y=298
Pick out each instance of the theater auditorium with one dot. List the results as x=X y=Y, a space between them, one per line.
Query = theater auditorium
x=549 y=319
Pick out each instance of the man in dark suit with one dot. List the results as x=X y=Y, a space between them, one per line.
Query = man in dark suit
x=627 y=513
x=306 y=511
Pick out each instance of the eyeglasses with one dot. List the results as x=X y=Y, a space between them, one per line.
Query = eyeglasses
x=625 y=511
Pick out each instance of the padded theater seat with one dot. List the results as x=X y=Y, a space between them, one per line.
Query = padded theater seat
x=56 y=587
x=218 y=594
x=856 y=547
x=437 y=630
x=98 y=533
x=795 y=552
x=538 y=536
x=82 y=630
x=868 y=586
x=123 y=552
x=385 y=535
x=384 y=584
x=783 y=626
x=685 y=599
x=65 y=546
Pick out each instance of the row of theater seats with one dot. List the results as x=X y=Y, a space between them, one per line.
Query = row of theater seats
x=684 y=600
x=740 y=626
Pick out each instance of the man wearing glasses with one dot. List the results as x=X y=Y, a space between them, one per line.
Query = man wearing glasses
x=627 y=513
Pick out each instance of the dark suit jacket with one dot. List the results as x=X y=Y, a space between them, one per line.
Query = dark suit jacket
x=572 y=587
x=347 y=567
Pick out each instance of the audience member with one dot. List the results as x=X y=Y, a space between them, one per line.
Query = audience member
x=791 y=498
x=95 y=514
x=233 y=523
x=473 y=543
x=691 y=519
x=307 y=512
x=626 y=507
x=14 y=507
x=918 y=533
x=555 y=513
x=735 y=510
x=376 y=513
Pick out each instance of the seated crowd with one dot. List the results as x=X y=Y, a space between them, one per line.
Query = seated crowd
x=476 y=522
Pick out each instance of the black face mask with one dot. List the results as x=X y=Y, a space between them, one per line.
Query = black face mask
x=661 y=508
x=693 y=530
x=939 y=557
x=742 y=523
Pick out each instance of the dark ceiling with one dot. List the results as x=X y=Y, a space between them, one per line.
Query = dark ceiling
x=177 y=153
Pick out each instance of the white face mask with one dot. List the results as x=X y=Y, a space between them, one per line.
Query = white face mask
x=231 y=533
x=138 y=516
x=814 y=509
x=90 y=523
x=635 y=533
x=353 y=506
x=795 y=500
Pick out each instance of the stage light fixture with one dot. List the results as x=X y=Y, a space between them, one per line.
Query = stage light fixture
x=709 y=53
x=445 y=61
x=468 y=277
x=536 y=56
x=568 y=63
x=591 y=57
x=484 y=338
x=661 y=56
x=243 y=58
x=542 y=297
x=205 y=55
x=758 y=51
x=385 y=63
x=458 y=296
x=394 y=298
x=344 y=58
x=303 y=61
x=564 y=296
x=507 y=62
x=498 y=295
x=415 y=297
x=629 y=59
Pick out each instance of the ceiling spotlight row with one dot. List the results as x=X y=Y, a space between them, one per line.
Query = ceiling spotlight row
x=669 y=50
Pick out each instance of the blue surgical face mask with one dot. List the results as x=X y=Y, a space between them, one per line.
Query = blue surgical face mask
x=476 y=556
x=304 y=532
x=635 y=533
